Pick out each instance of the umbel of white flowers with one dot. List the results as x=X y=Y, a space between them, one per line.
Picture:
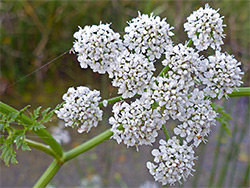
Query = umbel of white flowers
x=205 y=28
x=173 y=161
x=81 y=108
x=182 y=93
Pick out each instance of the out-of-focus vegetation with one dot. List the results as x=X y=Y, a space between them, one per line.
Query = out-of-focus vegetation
x=34 y=32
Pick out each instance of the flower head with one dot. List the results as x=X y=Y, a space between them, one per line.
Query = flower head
x=81 y=108
x=166 y=95
x=222 y=74
x=183 y=65
x=148 y=35
x=197 y=117
x=133 y=74
x=134 y=124
x=98 y=47
x=205 y=28
x=172 y=162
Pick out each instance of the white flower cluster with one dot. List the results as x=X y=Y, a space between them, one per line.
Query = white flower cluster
x=197 y=117
x=182 y=91
x=148 y=35
x=133 y=74
x=81 y=108
x=60 y=134
x=128 y=62
x=172 y=162
x=98 y=46
x=221 y=75
x=184 y=65
x=167 y=94
x=205 y=28
x=134 y=124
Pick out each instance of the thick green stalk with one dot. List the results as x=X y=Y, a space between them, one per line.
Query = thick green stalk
x=88 y=145
x=240 y=92
x=42 y=133
x=41 y=147
x=48 y=174
x=55 y=165
x=165 y=131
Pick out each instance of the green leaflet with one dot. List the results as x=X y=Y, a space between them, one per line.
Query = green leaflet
x=223 y=118
x=13 y=130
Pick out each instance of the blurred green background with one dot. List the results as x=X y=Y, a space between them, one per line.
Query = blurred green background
x=35 y=32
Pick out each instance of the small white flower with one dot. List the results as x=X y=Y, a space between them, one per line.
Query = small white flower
x=205 y=28
x=81 y=108
x=98 y=47
x=172 y=162
x=105 y=103
x=148 y=35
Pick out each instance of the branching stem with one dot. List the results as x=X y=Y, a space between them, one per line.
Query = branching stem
x=42 y=133
x=48 y=174
x=42 y=147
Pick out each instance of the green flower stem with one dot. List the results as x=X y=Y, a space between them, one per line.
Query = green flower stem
x=55 y=165
x=115 y=99
x=41 y=147
x=165 y=131
x=189 y=42
x=240 y=92
x=88 y=145
x=48 y=174
x=112 y=100
x=42 y=133
x=164 y=71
